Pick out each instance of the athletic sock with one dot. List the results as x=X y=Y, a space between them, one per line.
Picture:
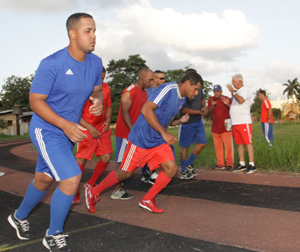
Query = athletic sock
x=59 y=208
x=183 y=164
x=98 y=171
x=251 y=163
x=161 y=181
x=242 y=163
x=109 y=181
x=154 y=175
x=191 y=159
x=81 y=167
x=145 y=169
x=32 y=197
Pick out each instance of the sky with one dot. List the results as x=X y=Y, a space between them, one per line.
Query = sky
x=257 y=38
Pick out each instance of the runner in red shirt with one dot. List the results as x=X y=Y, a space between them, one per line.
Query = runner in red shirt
x=217 y=106
x=98 y=140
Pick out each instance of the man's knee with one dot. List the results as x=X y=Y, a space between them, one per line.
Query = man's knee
x=122 y=175
x=169 y=168
x=105 y=158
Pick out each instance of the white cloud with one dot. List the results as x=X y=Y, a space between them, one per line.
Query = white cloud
x=173 y=39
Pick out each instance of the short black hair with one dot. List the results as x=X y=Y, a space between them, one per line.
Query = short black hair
x=158 y=71
x=261 y=91
x=103 y=70
x=74 y=19
x=190 y=70
x=193 y=77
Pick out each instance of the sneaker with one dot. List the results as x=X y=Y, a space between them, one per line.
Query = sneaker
x=121 y=194
x=56 y=242
x=87 y=185
x=76 y=199
x=91 y=200
x=250 y=169
x=21 y=226
x=145 y=177
x=2 y=174
x=228 y=168
x=191 y=170
x=186 y=175
x=217 y=167
x=151 y=181
x=239 y=168
x=151 y=206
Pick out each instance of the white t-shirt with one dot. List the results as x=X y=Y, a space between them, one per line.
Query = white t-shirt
x=240 y=112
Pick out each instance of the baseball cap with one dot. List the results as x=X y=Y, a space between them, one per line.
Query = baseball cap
x=217 y=88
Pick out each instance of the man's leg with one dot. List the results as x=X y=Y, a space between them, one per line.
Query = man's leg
x=60 y=203
x=229 y=152
x=219 y=150
x=169 y=169
x=35 y=192
x=99 y=169
x=250 y=151
x=183 y=158
x=81 y=163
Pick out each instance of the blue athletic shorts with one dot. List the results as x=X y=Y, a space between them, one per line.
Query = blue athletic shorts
x=121 y=144
x=55 y=157
x=192 y=133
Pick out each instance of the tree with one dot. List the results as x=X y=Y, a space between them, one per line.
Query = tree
x=15 y=91
x=3 y=124
x=292 y=89
x=276 y=113
x=122 y=73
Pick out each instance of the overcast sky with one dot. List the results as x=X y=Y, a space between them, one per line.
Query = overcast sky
x=257 y=38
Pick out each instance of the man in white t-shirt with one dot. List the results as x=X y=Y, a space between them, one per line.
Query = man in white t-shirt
x=241 y=122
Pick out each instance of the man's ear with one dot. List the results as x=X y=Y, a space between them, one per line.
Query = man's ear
x=72 y=34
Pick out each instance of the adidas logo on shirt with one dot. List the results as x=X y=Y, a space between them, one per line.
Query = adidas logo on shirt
x=69 y=72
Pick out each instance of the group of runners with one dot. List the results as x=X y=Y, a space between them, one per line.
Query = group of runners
x=71 y=106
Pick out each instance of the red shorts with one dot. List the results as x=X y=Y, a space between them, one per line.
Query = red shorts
x=135 y=156
x=90 y=146
x=242 y=133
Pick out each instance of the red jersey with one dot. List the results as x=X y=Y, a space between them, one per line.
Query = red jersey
x=138 y=99
x=97 y=121
x=265 y=111
x=219 y=114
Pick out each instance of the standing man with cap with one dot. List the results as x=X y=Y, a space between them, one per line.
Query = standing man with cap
x=218 y=106
x=241 y=122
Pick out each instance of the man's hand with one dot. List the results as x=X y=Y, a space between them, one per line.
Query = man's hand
x=184 y=118
x=169 y=138
x=203 y=111
x=73 y=131
x=95 y=134
x=225 y=101
x=97 y=107
x=230 y=88
x=106 y=124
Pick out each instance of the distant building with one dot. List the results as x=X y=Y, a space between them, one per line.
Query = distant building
x=285 y=106
x=10 y=119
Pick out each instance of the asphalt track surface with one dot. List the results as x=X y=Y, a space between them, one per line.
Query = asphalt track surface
x=218 y=211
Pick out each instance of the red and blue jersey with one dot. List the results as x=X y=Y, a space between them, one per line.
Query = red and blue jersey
x=169 y=102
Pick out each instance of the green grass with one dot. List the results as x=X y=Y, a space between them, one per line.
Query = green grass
x=5 y=137
x=284 y=156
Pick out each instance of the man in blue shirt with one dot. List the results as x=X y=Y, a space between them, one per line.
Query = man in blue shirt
x=62 y=84
x=149 y=142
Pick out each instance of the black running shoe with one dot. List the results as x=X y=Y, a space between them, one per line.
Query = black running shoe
x=216 y=167
x=191 y=170
x=239 y=168
x=56 y=243
x=21 y=226
x=250 y=169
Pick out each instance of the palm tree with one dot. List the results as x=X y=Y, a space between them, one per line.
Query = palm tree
x=292 y=90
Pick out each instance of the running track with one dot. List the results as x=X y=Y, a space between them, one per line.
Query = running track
x=218 y=211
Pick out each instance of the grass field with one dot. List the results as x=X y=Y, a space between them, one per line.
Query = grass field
x=284 y=156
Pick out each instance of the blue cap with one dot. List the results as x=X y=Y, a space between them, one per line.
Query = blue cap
x=217 y=88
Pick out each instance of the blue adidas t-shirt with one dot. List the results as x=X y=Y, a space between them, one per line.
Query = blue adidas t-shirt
x=68 y=84
x=169 y=102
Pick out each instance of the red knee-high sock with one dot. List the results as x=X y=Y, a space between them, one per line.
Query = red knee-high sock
x=81 y=167
x=109 y=181
x=99 y=169
x=161 y=181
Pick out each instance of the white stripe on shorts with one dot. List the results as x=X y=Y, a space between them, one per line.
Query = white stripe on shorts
x=249 y=135
x=39 y=138
x=122 y=150
x=129 y=157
